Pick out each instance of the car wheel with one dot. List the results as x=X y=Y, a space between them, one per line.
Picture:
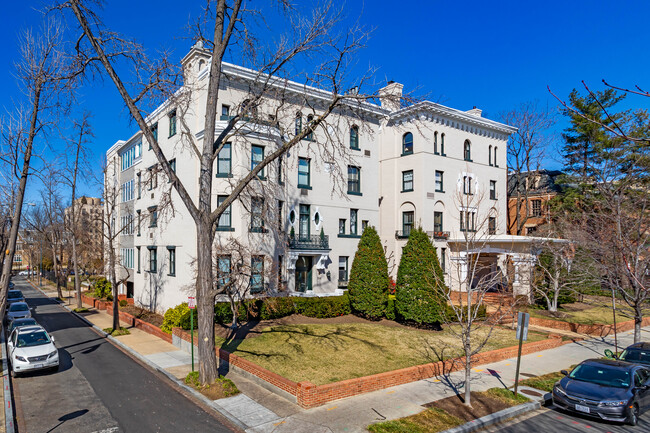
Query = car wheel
x=633 y=415
x=13 y=373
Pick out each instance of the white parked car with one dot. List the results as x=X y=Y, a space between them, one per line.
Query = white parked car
x=23 y=273
x=18 y=310
x=31 y=348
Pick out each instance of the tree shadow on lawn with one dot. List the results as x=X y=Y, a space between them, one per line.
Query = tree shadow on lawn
x=336 y=339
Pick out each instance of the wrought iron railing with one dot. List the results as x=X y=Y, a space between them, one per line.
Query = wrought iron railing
x=314 y=242
x=439 y=235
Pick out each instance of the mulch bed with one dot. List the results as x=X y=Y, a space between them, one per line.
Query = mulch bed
x=142 y=314
x=481 y=405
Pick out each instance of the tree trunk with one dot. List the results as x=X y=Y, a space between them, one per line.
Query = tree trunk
x=233 y=309
x=638 y=318
x=468 y=377
x=55 y=266
x=208 y=369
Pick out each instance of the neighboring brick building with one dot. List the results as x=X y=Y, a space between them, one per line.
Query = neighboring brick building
x=528 y=196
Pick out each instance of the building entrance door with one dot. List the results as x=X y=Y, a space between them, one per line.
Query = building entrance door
x=303 y=273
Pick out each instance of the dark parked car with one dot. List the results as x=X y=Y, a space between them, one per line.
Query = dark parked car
x=15 y=296
x=21 y=322
x=611 y=390
x=638 y=353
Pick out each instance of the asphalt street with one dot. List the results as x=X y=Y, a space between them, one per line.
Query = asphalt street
x=554 y=420
x=98 y=388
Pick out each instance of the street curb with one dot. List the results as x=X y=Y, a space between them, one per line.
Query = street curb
x=9 y=408
x=209 y=403
x=495 y=418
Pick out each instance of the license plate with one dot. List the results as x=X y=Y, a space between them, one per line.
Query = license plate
x=581 y=408
x=41 y=366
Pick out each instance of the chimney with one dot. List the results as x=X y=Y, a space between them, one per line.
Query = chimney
x=475 y=111
x=391 y=96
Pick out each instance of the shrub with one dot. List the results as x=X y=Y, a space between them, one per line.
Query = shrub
x=123 y=303
x=369 y=281
x=102 y=288
x=246 y=310
x=323 y=308
x=276 y=308
x=390 y=307
x=179 y=316
x=419 y=281
x=109 y=298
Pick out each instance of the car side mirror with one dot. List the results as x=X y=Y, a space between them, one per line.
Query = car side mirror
x=564 y=372
x=52 y=338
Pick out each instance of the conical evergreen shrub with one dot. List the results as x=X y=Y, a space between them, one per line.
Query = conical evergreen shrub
x=368 y=283
x=419 y=281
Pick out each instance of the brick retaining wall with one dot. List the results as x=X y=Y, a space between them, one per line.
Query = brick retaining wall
x=599 y=330
x=309 y=395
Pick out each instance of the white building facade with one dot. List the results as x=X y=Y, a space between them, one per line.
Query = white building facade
x=295 y=229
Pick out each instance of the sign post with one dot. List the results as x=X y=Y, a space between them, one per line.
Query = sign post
x=191 y=302
x=522 y=335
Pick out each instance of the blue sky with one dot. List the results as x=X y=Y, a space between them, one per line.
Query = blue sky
x=494 y=55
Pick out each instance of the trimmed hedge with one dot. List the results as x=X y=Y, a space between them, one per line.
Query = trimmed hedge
x=322 y=308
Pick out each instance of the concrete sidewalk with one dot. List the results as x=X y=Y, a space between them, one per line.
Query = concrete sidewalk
x=262 y=411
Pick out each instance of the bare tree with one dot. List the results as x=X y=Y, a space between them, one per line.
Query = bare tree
x=476 y=274
x=225 y=26
x=527 y=148
x=43 y=74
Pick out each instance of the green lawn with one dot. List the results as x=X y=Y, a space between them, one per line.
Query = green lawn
x=544 y=382
x=328 y=353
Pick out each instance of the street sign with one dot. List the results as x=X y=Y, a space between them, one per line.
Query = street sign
x=522 y=325
x=191 y=302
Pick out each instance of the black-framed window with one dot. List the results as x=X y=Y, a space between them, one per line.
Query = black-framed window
x=298 y=124
x=467 y=151
x=225 y=110
x=225 y=219
x=257 y=156
x=364 y=225
x=353 y=221
x=139 y=221
x=442 y=144
x=341 y=226
x=310 y=136
x=467 y=185
x=257 y=214
x=354 y=180
x=154 y=132
x=171 y=259
x=304 y=173
x=407 y=222
x=443 y=260
x=153 y=216
x=257 y=274
x=536 y=207
x=224 y=161
x=494 y=157
x=138 y=258
x=303 y=221
x=440 y=185
x=407 y=181
x=280 y=213
x=224 y=268
x=435 y=142
x=437 y=221
x=280 y=164
x=172 y=165
x=493 y=189
x=490 y=155
x=407 y=144
x=343 y=268
x=172 y=123
x=354 y=137
x=139 y=186
x=468 y=221
x=153 y=259
x=492 y=225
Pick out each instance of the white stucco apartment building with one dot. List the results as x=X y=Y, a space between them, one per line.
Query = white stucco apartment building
x=298 y=225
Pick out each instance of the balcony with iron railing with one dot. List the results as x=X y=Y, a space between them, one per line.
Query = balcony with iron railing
x=313 y=242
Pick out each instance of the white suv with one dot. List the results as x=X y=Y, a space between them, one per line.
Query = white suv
x=31 y=348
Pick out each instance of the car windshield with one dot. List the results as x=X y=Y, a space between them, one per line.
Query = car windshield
x=636 y=355
x=35 y=338
x=601 y=375
x=22 y=322
x=13 y=294
x=18 y=307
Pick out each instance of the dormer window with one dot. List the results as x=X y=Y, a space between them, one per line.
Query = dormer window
x=407 y=144
x=467 y=151
x=354 y=137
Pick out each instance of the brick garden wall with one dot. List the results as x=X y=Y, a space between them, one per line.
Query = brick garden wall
x=595 y=329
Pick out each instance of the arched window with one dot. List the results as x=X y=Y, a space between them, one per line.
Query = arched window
x=467 y=151
x=435 y=142
x=310 y=136
x=495 y=157
x=354 y=137
x=490 y=155
x=298 y=123
x=407 y=144
x=442 y=144
x=201 y=64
